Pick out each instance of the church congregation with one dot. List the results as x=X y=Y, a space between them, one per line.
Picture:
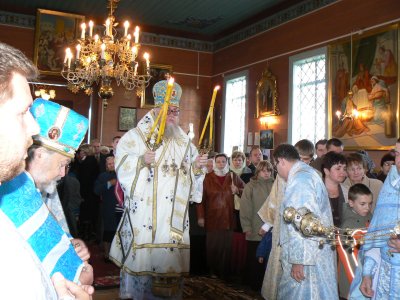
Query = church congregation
x=285 y=186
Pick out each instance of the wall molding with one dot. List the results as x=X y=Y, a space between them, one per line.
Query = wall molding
x=303 y=8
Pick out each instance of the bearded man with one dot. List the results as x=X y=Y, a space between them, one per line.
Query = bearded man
x=46 y=164
x=152 y=241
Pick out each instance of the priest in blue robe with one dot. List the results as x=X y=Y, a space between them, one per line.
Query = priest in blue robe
x=309 y=271
x=378 y=274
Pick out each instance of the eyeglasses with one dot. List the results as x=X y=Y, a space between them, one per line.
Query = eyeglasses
x=173 y=112
x=63 y=165
x=388 y=163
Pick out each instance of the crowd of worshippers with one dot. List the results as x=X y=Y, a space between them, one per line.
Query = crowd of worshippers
x=235 y=230
x=56 y=195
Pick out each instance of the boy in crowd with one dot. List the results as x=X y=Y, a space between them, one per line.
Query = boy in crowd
x=356 y=214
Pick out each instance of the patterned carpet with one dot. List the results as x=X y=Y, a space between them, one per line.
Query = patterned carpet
x=106 y=276
x=199 y=288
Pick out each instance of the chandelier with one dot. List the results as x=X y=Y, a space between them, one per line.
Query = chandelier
x=102 y=59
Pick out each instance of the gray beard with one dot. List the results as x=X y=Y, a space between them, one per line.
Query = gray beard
x=171 y=131
x=49 y=188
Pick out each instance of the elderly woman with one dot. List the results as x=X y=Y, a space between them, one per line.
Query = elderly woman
x=253 y=197
x=216 y=214
x=356 y=172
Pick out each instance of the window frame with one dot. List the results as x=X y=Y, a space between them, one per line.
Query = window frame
x=245 y=74
x=292 y=62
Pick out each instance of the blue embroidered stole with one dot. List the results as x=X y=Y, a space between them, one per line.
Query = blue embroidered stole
x=23 y=205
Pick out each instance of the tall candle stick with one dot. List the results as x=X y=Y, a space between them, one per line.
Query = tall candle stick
x=90 y=28
x=83 y=26
x=135 y=72
x=155 y=124
x=165 y=109
x=210 y=112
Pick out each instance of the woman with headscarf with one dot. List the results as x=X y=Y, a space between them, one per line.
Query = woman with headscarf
x=216 y=214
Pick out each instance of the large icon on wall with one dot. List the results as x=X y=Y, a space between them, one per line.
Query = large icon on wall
x=55 y=31
x=267 y=95
x=363 y=93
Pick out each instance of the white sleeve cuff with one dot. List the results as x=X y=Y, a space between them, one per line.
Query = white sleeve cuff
x=266 y=227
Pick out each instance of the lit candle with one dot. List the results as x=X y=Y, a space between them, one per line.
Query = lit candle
x=69 y=60
x=134 y=53
x=129 y=37
x=146 y=56
x=209 y=116
x=126 y=25
x=83 y=26
x=78 y=50
x=96 y=38
x=136 y=34
x=191 y=132
x=108 y=27
x=103 y=51
x=338 y=114
x=135 y=72
x=67 y=51
x=90 y=28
